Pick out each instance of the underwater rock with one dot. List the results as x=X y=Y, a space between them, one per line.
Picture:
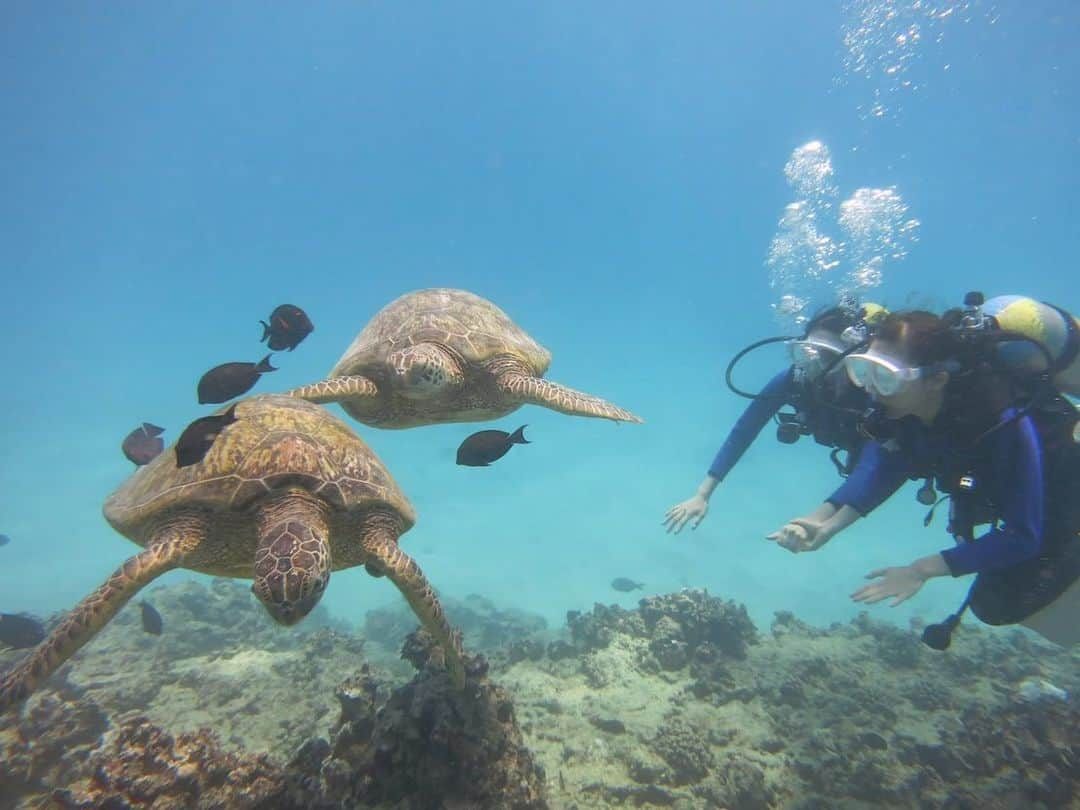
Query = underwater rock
x=526 y=649
x=49 y=744
x=676 y=625
x=140 y=765
x=685 y=751
x=560 y=650
x=427 y=744
x=484 y=627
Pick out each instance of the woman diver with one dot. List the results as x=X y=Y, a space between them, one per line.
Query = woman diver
x=826 y=406
x=1003 y=447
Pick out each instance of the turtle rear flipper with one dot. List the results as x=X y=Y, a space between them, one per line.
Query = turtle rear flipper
x=538 y=391
x=94 y=612
x=387 y=559
x=336 y=389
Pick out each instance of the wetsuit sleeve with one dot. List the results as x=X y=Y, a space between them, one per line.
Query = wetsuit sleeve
x=778 y=391
x=877 y=475
x=1018 y=463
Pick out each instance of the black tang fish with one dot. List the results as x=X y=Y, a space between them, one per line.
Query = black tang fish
x=486 y=446
x=198 y=437
x=623 y=584
x=143 y=444
x=4 y=539
x=222 y=383
x=151 y=619
x=288 y=326
x=20 y=631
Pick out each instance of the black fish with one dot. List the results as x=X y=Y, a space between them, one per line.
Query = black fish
x=288 y=326
x=4 y=539
x=487 y=446
x=222 y=383
x=143 y=444
x=623 y=584
x=151 y=619
x=198 y=437
x=20 y=631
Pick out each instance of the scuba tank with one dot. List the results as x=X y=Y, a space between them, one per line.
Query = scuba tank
x=1044 y=325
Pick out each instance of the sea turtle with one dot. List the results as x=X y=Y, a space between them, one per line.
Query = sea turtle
x=443 y=355
x=285 y=495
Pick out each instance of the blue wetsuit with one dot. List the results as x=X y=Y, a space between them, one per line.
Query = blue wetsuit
x=778 y=392
x=828 y=426
x=1000 y=481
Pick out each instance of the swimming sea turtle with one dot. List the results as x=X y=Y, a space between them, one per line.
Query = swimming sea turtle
x=443 y=355
x=285 y=495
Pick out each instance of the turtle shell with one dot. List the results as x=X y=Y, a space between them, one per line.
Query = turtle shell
x=472 y=327
x=276 y=442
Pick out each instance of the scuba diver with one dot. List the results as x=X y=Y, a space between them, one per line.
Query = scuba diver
x=973 y=403
x=825 y=405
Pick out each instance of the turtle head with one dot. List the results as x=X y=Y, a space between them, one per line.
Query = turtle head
x=292 y=568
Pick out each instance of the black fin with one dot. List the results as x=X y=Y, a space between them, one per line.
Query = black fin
x=518 y=436
x=266 y=331
x=264 y=365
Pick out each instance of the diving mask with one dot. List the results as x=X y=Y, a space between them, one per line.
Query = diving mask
x=880 y=374
x=814 y=354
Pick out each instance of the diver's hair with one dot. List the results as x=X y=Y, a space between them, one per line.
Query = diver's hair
x=833 y=319
x=976 y=389
x=922 y=337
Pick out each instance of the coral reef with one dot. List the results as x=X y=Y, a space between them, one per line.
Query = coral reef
x=427 y=745
x=484 y=627
x=679 y=703
x=140 y=765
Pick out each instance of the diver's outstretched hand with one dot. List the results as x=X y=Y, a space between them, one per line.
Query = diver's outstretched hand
x=801 y=534
x=692 y=511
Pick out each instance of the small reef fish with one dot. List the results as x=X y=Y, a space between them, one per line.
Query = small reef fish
x=20 y=631
x=143 y=444
x=222 y=383
x=198 y=437
x=288 y=326
x=151 y=619
x=4 y=539
x=626 y=585
x=486 y=446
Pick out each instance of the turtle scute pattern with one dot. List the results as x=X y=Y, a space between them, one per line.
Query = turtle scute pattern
x=470 y=326
x=477 y=365
x=277 y=441
x=284 y=458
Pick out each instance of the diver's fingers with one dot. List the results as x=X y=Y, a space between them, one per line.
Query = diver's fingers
x=877 y=572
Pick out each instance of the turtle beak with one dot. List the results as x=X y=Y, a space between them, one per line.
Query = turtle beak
x=288 y=601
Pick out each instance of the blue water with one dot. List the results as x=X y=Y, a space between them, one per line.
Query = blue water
x=610 y=174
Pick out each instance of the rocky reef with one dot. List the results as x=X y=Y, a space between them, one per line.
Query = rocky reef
x=681 y=702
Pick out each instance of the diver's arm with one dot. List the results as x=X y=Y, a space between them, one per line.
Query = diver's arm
x=757 y=414
x=1019 y=460
x=694 y=509
x=811 y=532
x=877 y=475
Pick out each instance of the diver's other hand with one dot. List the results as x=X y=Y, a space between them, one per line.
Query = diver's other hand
x=901 y=583
x=692 y=511
x=800 y=534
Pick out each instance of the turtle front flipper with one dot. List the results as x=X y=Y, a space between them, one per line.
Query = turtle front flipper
x=387 y=559
x=538 y=391
x=336 y=389
x=166 y=552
